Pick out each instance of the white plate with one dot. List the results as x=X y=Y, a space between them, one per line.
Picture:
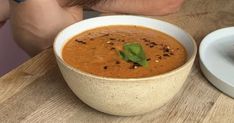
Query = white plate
x=217 y=59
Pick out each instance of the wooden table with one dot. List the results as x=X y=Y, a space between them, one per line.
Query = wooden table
x=36 y=91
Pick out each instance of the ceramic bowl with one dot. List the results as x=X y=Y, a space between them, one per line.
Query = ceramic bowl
x=125 y=97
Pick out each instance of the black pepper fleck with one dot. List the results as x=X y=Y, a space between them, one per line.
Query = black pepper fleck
x=146 y=40
x=105 y=67
x=111 y=43
x=166 y=55
x=153 y=43
x=166 y=50
x=159 y=57
x=112 y=48
x=117 y=62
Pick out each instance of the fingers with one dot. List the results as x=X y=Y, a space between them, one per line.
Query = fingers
x=145 y=7
x=171 y=6
x=30 y=7
x=35 y=23
x=2 y=23
x=4 y=10
x=76 y=12
x=33 y=12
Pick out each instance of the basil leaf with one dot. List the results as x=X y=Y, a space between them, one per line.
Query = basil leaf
x=123 y=56
x=134 y=52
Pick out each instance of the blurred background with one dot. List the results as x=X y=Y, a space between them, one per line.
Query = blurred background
x=11 y=55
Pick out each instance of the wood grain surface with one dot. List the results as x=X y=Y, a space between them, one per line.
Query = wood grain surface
x=36 y=91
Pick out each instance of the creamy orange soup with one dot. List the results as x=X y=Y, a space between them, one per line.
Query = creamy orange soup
x=96 y=52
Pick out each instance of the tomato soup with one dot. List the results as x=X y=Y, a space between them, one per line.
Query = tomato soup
x=96 y=52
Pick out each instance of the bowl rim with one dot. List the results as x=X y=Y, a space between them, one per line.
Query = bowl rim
x=191 y=59
x=224 y=85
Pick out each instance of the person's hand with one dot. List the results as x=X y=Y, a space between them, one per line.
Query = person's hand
x=1 y=24
x=35 y=23
x=145 y=7
x=4 y=11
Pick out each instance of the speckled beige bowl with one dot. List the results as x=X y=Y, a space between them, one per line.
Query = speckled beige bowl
x=125 y=97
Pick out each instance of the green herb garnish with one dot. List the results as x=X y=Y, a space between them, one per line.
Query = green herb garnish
x=134 y=52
